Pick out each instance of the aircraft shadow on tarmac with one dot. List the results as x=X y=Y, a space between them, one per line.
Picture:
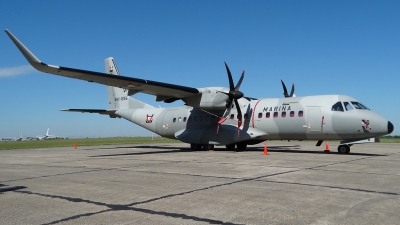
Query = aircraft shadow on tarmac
x=4 y=188
x=170 y=149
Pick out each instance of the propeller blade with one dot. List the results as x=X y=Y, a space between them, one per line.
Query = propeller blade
x=239 y=115
x=231 y=86
x=234 y=94
x=285 y=93
x=292 y=91
x=225 y=116
x=240 y=82
x=220 y=121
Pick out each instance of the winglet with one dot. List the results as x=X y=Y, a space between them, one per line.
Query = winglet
x=25 y=51
x=32 y=59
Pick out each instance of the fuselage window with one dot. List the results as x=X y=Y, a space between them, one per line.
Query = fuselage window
x=201 y=118
x=291 y=113
x=347 y=106
x=190 y=119
x=174 y=120
x=301 y=113
x=195 y=118
x=337 y=107
x=275 y=114
x=232 y=116
x=259 y=115
x=283 y=114
x=207 y=118
x=358 y=105
x=268 y=115
x=179 y=119
x=184 y=119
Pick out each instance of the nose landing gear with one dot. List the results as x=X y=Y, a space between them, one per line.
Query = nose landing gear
x=343 y=149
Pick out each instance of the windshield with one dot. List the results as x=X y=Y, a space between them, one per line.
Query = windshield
x=347 y=106
x=337 y=107
x=358 y=105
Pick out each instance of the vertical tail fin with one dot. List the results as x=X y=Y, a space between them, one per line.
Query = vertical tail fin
x=117 y=97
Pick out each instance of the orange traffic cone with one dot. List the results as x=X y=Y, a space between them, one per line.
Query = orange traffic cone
x=74 y=145
x=327 y=147
x=265 y=149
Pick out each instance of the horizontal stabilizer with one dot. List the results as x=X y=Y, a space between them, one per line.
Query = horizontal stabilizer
x=111 y=113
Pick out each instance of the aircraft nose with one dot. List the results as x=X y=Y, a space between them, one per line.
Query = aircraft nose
x=390 y=127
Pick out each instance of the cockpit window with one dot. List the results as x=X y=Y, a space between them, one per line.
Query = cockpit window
x=347 y=106
x=337 y=107
x=358 y=105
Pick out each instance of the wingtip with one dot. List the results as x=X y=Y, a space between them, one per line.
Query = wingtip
x=32 y=59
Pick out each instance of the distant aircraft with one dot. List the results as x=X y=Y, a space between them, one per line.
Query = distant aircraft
x=13 y=139
x=7 y=139
x=19 y=138
x=46 y=136
x=224 y=116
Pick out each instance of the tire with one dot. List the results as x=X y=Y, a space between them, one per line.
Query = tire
x=230 y=147
x=241 y=146
x=195 y=147
x=343 y=149
x=208 y=147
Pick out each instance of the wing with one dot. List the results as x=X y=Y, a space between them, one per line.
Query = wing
x=109 y=112
x=134 y=85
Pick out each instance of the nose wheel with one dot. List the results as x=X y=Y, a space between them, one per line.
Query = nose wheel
x=343 y=149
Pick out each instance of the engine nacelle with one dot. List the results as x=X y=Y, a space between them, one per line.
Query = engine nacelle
x=208 y=98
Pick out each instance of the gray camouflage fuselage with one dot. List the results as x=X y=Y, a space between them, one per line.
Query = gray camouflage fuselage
x=298 y=118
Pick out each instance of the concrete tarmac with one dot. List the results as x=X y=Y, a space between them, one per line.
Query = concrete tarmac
x=297 y=183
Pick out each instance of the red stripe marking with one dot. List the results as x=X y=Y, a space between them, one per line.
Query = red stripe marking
x=254 y=110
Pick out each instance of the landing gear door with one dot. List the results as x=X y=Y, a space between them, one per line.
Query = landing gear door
x=314 y=119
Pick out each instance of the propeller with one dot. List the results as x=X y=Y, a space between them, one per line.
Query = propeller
x=285 y=93
x=234 y=94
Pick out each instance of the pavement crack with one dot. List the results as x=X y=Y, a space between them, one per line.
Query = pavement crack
x=333 y=187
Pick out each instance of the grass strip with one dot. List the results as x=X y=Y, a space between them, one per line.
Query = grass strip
x=52 y=143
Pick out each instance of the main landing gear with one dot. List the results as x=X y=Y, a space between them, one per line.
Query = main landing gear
x=240 y=146
x=343 y=149
x=206 y=147
x=197 y=147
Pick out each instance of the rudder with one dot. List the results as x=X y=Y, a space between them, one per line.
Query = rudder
x=117 y=97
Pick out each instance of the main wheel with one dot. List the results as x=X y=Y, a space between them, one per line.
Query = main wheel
x=241 y=146
x=230 y=147
x=195 y=147
x=208 y=147
x=343 y=149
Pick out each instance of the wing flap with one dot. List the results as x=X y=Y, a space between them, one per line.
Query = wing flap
x=134 y=85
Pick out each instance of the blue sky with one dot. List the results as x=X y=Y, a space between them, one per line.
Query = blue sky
x=324 y=47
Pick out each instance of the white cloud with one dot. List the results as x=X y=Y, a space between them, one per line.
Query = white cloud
x=16 y=71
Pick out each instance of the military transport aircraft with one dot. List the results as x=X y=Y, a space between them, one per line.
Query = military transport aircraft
x=46 y=136
x=224 y=116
